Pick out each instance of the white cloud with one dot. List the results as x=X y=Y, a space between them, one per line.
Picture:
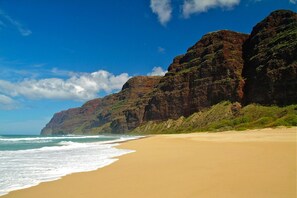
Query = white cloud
x=5 y=99
x=157 y=71
x=196 y=6
x=163 y=9
x=67 y=85
x=7 y=103
x=293 y=1
x=80 y=86
x=20 y=27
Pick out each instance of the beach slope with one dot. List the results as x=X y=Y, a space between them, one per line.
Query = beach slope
x=255 y=163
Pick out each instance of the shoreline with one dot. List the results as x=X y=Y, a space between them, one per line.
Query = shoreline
x=85 y=164
x=258 y=163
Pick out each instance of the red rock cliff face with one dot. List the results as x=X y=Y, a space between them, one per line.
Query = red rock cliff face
x=270 y=55
x=208 y=73
x=224 y=65
x=116 y=113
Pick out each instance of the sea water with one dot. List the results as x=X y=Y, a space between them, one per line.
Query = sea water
x=28 y=160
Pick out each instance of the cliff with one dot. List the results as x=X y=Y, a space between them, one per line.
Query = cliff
x=116 y=113
x=208 y=73
x=222 y=66
x=270 y=55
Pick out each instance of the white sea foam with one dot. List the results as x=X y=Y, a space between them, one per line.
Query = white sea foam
x=50 y=138
x=24 y=168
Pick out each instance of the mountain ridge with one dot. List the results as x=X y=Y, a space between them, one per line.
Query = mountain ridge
x=222 y=66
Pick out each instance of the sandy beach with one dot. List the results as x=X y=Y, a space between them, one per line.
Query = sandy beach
x=254 y=163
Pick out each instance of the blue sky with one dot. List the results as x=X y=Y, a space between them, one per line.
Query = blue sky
x=56 y=55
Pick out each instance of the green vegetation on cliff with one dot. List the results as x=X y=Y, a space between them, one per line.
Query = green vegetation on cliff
x=225 y=116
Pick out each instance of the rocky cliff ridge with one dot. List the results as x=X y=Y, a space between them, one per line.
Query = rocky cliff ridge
x=270 y=55
x=116 y=113
x=221 y=66
x=208 y=73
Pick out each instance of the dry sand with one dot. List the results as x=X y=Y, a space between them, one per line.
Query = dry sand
x=251 y=164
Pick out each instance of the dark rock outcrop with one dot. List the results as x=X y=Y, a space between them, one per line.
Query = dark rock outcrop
x=116 y=113
x=208 y=73
x=270 y=55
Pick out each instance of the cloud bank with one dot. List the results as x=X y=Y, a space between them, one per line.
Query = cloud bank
x=66 y=85
x=80 y=87
x=196 y=6
x=163 y=9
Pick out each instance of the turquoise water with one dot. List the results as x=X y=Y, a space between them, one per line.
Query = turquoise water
x=28 y=160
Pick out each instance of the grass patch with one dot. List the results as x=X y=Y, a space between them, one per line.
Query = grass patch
x=118 y=105
x=221 y=118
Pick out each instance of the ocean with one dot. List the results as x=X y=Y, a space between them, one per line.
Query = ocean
x=26 y=161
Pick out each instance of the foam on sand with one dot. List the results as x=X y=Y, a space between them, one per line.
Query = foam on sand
x=24 y=168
